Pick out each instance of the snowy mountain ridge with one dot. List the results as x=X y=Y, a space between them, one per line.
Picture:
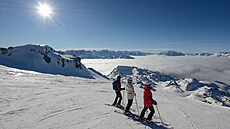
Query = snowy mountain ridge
x=140 y=76
x=171 y=53
x=175 y=53
x=107 y=54
x=43 y=58
x=104 y=54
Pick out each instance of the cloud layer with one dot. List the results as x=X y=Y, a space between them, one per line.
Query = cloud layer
x=203 y=68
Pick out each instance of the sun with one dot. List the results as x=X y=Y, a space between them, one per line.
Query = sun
x=45 y=10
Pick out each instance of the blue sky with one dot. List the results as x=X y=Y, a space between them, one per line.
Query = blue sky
x=181 y=25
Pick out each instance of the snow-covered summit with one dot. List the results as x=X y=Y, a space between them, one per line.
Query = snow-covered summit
x=42 y=58
x=140 y=76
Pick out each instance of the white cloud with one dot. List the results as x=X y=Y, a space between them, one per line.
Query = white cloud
x=204 y=68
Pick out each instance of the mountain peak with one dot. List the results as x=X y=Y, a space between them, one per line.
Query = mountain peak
x=42 y=58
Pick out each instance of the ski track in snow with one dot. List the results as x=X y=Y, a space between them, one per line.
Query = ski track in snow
x=41 y=101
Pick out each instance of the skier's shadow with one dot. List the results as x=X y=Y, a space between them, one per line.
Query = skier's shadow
x=156 y=125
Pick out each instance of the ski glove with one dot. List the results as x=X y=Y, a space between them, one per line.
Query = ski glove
x=154 y=102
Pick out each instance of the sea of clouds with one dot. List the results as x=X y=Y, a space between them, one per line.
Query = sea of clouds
x=202 y=68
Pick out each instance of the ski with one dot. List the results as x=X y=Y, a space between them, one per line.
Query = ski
x=120 y=107
x=135 y=117
x=130 y=116
x=152 y=124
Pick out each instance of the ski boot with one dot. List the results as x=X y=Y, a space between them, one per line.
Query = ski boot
x=149 y=122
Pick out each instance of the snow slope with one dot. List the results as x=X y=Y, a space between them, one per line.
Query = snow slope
x=32 y=100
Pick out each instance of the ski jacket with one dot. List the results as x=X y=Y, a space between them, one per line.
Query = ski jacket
x=148 y=101
x=118 y=83
x=130 y=91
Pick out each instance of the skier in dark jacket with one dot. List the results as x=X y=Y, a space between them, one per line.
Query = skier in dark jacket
x=148 y=103
x=118 y=92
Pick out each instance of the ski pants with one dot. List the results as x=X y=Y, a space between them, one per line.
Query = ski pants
x=130 y=102
x=118 y=96
x=150 y=114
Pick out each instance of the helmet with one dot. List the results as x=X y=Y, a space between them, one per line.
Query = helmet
x=148 y=84
x=130 y=79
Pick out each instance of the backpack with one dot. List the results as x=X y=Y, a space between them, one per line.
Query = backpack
x=114 y=84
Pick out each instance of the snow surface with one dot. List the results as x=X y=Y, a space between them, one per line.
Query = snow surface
x=31 y=100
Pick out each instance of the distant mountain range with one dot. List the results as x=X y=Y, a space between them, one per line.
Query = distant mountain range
x=171 y=53
x=174 y=53
x=104 y=54
x=217 y=54
x=108 y=54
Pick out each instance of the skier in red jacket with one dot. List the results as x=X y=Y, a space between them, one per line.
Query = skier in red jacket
x=148 y=102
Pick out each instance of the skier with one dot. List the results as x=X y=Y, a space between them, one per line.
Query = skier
x=130 y=94
x=148 y=103
x=118 y=89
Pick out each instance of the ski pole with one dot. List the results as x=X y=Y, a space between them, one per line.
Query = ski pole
x=137 y=105
x=159 y=114
x=123 y=98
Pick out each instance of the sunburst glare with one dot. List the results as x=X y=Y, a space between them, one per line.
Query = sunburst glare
x=45 y=10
